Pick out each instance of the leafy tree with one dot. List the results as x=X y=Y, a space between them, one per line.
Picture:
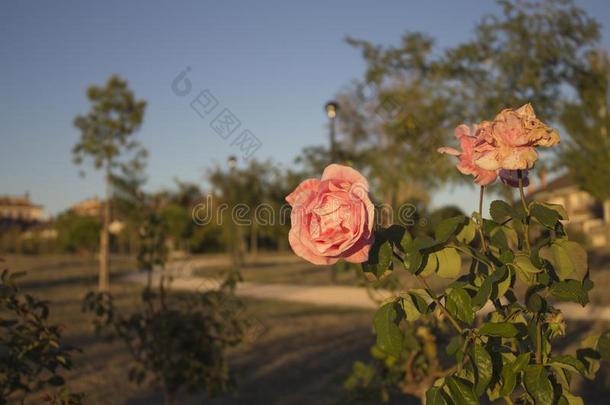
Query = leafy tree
x=127 y=206
x=528 y=53
x=586 y=119
x=393 y=121
x=77 y=233
x=107 y=139
x=257 y=186
x=32 y=355
x=179 y=223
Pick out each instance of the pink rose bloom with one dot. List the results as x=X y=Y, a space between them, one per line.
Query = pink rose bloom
x=332 y=218
x=509 y=141
x=466 y=164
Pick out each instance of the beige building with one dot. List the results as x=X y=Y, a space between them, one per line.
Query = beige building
x=92 y=207
x=587 y=215
x=20 y=209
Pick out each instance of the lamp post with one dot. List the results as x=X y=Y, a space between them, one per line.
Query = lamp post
x=331 y=109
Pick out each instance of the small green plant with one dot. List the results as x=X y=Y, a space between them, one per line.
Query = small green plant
x=32 y=354
x=178 y=342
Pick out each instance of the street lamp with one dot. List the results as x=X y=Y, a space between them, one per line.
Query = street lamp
x=331 y=109
x=232 y=162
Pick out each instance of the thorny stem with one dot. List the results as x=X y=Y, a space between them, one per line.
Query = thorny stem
x=425 y=284
x=538 y=340
x=481 y=194
x=455 y=324
x=526 y=223
x=469 y=253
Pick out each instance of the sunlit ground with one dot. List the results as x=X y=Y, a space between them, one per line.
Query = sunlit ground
x=304 y=353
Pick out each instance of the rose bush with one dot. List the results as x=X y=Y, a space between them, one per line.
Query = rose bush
x=332 y=218
x=487 y=335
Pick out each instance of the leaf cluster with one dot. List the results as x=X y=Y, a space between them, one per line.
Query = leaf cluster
x=32 y=354
x=505 y=273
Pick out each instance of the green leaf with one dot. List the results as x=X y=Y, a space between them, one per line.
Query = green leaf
x=560 y=259
x=538 y=385
x=483 y=367
x=499 y=329
x=498 y=239
x=570 y=290
x=461 y=391
x=577 y=256
x=520 y=362
x=380 y=259
x=454 y=345
x=555 y=207
x=448 y=227
x=545 y=215
x=449 y=263
x=406 y=241
x=569 y=399
x=524 y=263
x=468 y=232
x=389 y=335
x=570 y=363
x=459 y=304
x=483 y=293
x=413 y=306
x=509 y=380
x=385 y=256
x=396 y=234
x=535 y=302
x=525 y=270
x=413 y=261
x=434 y=396
x=603 y=346
x=431 y=265
x=501 y=282
x=499 y=210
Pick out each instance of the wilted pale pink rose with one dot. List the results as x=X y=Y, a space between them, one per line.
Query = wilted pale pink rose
x=332 y=218
x=509 y=141
x=466 y=164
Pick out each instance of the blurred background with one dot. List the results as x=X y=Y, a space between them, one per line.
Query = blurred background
x=219 y=109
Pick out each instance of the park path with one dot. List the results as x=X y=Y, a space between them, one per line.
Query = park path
x=342 y=296
x=332 y=295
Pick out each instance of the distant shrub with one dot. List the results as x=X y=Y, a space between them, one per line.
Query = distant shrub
x=176 y=341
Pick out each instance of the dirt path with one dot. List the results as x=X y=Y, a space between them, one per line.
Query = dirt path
x=332 y=295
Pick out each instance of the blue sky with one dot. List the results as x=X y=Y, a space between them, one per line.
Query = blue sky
x=273 y=64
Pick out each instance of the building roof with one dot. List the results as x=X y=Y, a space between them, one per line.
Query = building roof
x=558 y=183
x=22 y=201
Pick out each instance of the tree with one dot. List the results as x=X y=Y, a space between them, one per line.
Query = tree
x=77 y=233
x=586 y=119
x=240 y=188
x=106 y=138
x=525 y=54
x=397 y=116
x=393 y=119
